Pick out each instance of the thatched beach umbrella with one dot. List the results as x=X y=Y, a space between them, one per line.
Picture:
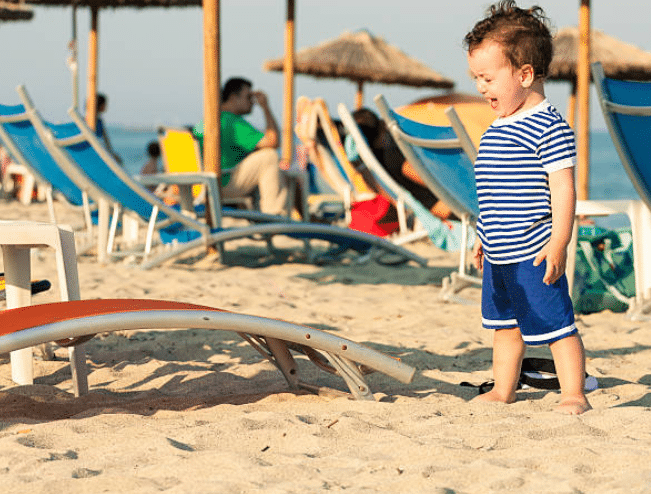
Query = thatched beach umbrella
x=94 y=6
x=211 y=46
x=211 y=61
x=361 y=57
x=619 y=59
x=14 y=12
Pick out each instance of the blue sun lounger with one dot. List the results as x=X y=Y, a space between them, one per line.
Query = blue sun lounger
x=22 y=140
x=19 y=137
x=78 y=152
x=443 y=158
x=626 y=106
x=446 y=235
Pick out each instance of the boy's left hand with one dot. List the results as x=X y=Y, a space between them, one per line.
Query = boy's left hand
x=555 y=263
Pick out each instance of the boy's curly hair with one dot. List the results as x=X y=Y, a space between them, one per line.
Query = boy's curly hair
x=523 y=33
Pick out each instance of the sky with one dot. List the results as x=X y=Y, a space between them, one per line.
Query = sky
x=151 y=60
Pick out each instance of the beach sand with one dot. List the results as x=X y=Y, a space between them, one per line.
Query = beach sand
x=195 y=411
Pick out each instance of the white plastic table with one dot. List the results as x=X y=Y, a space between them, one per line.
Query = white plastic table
x=17 y=238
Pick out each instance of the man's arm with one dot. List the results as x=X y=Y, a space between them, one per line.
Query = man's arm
x=271 y=138
x=563 y=198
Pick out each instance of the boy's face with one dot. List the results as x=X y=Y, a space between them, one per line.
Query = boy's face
x=505 y=87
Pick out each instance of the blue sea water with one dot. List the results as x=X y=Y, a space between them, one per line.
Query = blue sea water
x=131 y=145
x=608 y=180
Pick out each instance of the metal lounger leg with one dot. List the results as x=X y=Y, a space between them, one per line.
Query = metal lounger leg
x=350 y=373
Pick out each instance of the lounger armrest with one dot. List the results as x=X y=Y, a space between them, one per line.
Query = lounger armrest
x=204 y=178
x=207 y=179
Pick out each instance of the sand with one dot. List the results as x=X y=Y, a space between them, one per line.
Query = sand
x=195 y=411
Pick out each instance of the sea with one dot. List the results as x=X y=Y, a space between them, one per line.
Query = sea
x=608 y=180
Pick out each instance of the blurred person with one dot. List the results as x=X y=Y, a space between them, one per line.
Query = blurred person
x=249 y=154
x=100 y=129
x=151 y=166
x=393 y=161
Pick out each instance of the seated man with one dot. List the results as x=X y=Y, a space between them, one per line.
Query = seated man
x=251 y=154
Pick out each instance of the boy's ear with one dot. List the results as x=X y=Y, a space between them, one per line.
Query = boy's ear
x=527 y=75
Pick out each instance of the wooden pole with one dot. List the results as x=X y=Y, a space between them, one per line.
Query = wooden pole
x=571 y=106
x=359 y=97
x=583 y=95
x=73 y=62
x=211 y=79
x=211 y=97
x=91 y=91
x=288 y=66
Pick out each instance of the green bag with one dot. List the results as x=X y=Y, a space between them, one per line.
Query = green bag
x=604 y=278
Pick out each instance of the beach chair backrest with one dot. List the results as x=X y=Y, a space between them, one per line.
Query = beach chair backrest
x=442 y=159
x=79 y=150
x=347 y=170
x=318 y=153
x=19 y=136
x=440 y=234
x=626 y=106
x=179 y=151
x=385 y=181
x=79 y=153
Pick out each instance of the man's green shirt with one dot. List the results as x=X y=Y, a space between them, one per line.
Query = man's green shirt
x=238 y=139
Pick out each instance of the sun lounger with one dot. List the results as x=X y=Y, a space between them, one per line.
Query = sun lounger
x=180 y=153
x=626 y=106
x=445 y=235
x=77 y=151
x=443 y=158
x=73 y=322
x=20 y=138
x=332 y=160
x=328 y=153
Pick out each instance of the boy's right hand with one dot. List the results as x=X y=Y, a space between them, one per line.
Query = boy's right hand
x=478 y=255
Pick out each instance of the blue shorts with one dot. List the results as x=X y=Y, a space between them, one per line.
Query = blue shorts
x=514 y=295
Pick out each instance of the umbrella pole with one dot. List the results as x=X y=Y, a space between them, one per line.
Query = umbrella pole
x=583 y=95
x=288 y=116
x=359 y=97
x=211 y=93
x=91 y=104
x=72 y=60
x=571 y=105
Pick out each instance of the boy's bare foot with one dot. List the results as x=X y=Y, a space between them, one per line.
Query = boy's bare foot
x=495 y=396
x=575 y=405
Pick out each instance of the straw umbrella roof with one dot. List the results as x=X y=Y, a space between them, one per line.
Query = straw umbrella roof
x=362 y=57
x=620 y=60
x=14 y=12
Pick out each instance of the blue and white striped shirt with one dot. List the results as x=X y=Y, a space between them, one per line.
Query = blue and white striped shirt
x=515 y=157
